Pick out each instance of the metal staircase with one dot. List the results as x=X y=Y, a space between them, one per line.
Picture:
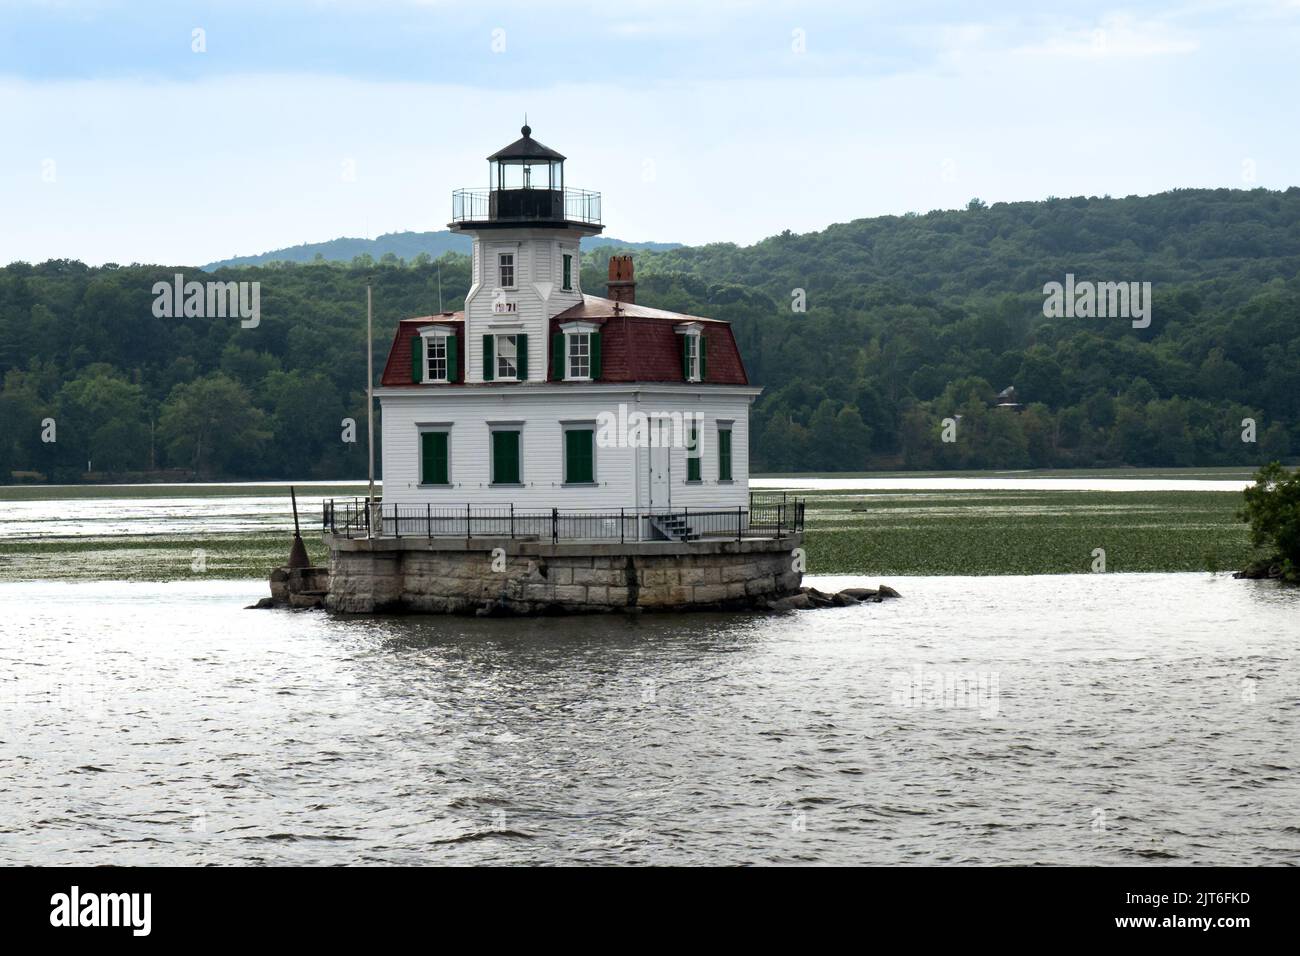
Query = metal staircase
x=672 y=527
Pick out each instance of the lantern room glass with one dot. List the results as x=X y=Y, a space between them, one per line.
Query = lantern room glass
x=526 y=174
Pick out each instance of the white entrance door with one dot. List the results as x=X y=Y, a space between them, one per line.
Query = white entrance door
x=660 y=468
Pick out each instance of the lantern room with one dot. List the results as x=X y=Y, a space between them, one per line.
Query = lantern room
x=526 y=187
x=526 y=165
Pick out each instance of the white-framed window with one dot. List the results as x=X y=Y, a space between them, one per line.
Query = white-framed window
x=435 y=358
x=575 y=352
x=579 y=349
x=692 y=346
x=506 y=270
x=507 y=347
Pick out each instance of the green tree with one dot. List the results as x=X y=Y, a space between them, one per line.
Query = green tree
x=103 y=421
x=853 y=440
x=210 y=425
x=305 y=418
x=23 y=411
x=1273 y=510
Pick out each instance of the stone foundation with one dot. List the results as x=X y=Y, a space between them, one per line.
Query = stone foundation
x=297 y=588
x=514 y=576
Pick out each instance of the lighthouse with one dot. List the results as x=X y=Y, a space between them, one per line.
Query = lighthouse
x=542 y=395
x=548 y=448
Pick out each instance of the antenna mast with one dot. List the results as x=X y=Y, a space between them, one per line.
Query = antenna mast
x=370 y=396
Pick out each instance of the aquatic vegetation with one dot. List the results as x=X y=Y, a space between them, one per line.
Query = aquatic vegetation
x=1050 y=532
x=894 y=532
x=151 y=558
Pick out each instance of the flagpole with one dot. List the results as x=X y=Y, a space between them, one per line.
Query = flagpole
x=370 y=400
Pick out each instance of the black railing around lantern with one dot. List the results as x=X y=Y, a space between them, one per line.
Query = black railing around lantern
x=526 y=205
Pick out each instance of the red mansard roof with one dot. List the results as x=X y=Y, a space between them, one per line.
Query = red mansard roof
x=638 y=344
x=397 y=370
x=641 y=344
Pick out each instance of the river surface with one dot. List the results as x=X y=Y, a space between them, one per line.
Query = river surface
x=1091 y=719
x=196 y=509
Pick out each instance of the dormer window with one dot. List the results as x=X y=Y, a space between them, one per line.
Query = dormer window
x=579 y=355
x=575 y=352
x=434 y=356
x=694 y=353
x=506 y=270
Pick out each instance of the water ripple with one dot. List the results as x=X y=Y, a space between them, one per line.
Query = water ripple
x=1112 y=719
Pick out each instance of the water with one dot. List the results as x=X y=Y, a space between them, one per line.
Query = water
x=194 y=509
x=172 y=510
x=1116 y=719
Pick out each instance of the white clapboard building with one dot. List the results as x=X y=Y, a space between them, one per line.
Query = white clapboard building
x=541 y=396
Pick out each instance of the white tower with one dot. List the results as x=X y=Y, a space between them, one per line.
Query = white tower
x=526 y=228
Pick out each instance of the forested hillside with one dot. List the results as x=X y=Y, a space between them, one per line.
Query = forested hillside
x=909 y=320
x=399 y=245
x=916 y=318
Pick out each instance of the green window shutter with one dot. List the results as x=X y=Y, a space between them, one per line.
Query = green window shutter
x=686 y=359
x=693 y=455
x=557 y=357
x=579 y=452
x=568 y=272
x=505 y=458
x=704 y=357
x=724 y=454
x=489 y=359
x=521 y=356
x=417 y=359
x=453 y=361
x=433 y=458
x=595 y=355
x=587 y=464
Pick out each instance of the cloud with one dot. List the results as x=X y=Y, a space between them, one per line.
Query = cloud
x=243 y=149
x=1117 y=35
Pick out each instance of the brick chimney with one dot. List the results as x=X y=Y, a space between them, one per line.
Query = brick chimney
x=621 y=287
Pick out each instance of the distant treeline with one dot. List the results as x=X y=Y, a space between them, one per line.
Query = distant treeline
x=908 y=321
x=411 y=246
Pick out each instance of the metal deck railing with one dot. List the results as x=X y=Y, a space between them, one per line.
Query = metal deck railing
x=569 y=204
x=766 y=517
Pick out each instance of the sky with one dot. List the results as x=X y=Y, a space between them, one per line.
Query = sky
x=175 y=132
